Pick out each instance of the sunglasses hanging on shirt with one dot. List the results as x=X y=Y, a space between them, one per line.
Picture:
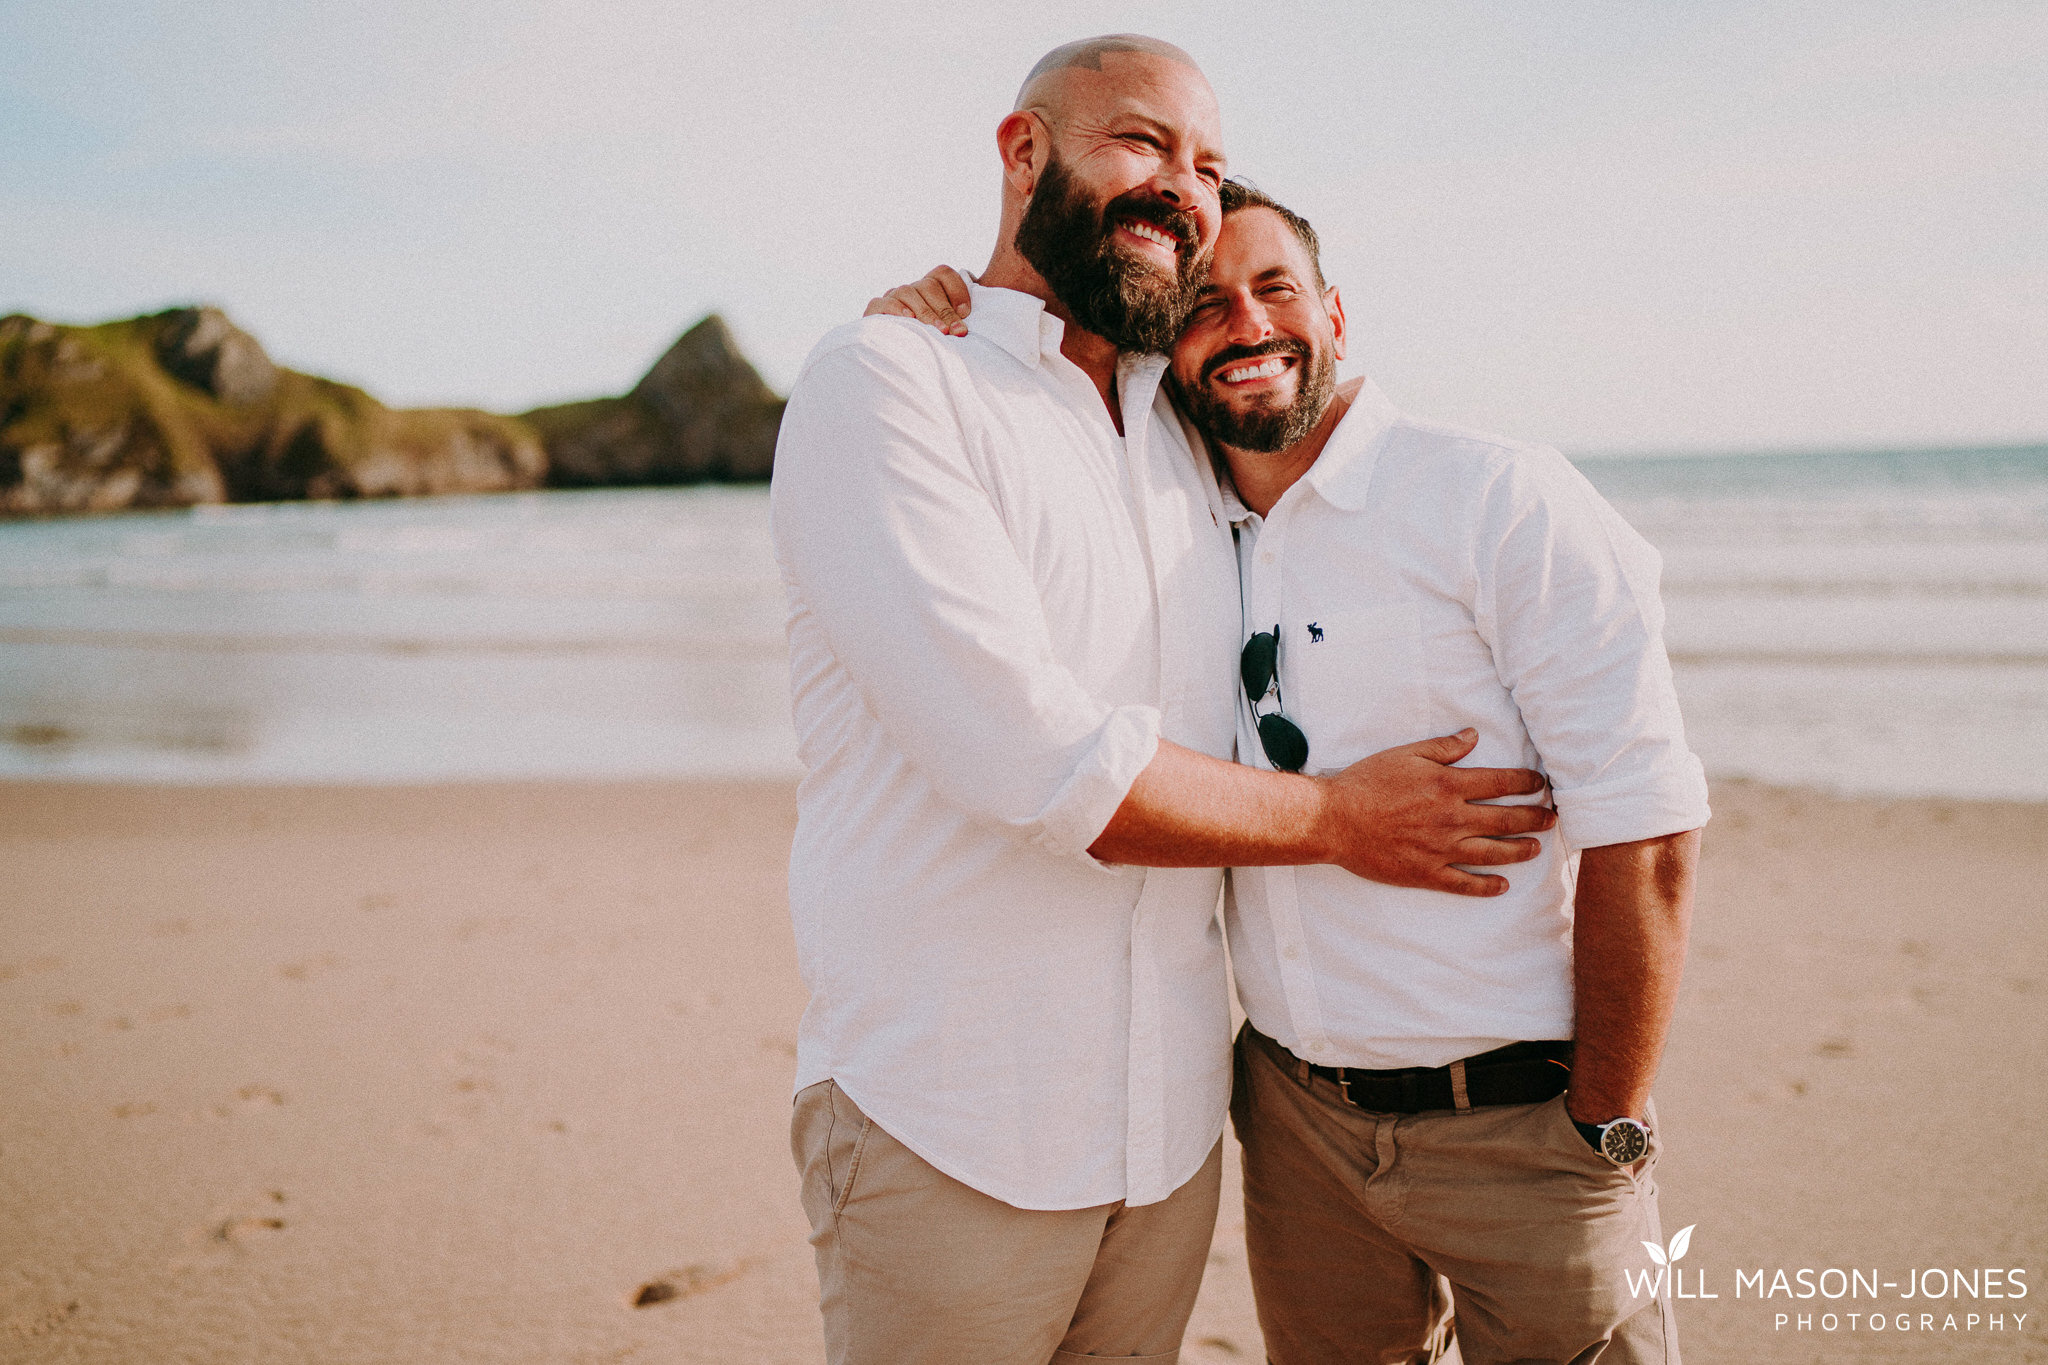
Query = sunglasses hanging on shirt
x=1280 y=737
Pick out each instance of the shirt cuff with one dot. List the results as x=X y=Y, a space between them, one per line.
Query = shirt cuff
x=1647 y=806
x=1081 y=809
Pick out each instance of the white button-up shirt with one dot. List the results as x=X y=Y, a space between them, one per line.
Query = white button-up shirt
x=997 y=606
x=1425 y=579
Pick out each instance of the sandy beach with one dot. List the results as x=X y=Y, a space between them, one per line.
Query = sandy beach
x=501 y=1074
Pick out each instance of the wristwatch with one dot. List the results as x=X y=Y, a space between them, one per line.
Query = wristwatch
x=1622 y=1141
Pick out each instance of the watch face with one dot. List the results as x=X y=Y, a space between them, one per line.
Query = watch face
x=1624 y=1142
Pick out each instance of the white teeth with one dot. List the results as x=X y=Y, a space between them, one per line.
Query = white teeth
x=1152 y=234
x=1265 y=369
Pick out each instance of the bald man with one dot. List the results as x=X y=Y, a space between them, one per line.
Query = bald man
x=1013 y=628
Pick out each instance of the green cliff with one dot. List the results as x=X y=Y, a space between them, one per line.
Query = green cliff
x=184 y=407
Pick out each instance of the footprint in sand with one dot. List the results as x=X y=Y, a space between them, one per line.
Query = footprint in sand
x=240 y=1225
x=39 y=1324
x=306 y=969
x=10 y=970
x=690 y=1280
x=251 y=1097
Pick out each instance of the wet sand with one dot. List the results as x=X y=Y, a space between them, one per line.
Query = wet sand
x=501 y=1074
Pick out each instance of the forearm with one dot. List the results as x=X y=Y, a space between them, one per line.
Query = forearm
x=1404 y=817
x=1632 y=915
x=1187 y=809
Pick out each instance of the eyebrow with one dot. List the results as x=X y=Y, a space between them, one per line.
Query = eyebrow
x=1271 y=272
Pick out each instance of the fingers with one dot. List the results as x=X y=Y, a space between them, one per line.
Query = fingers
x=935 y=307
x=1480 y=784
x=887 y=306
x=1499 y=820
x=1466 y=883
x=954 y=287
x=927 y=301
x=1445 y=748
x=1483 y=852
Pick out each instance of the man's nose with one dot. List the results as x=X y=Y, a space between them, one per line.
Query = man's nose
x=1179 y=184
x=1174 y=188
x=1249 y=324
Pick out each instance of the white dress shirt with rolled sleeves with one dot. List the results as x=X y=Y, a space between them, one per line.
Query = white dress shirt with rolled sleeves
x=997 y=607
x=1425 y=579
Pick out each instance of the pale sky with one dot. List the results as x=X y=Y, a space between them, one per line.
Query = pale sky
x=1611 y=226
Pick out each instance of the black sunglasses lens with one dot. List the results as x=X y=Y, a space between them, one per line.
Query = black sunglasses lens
x=1256 y=664
x=1283 y=742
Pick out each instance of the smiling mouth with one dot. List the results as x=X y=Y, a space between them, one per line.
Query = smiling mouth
x=1147 y=232
x=1252 y=371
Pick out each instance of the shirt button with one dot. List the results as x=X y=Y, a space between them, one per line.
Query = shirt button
x=1265 y=556
x=1318 y=1047
x=1290 y=952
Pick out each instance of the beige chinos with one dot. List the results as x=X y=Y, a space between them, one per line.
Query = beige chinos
x=1354 y=1221
x=916 y=1268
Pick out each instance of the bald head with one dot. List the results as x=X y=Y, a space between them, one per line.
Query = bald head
x=1041 y=86
x=1112 y=163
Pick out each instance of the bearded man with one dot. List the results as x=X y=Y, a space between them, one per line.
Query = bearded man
x=1446 y=1118
x=1013 y=635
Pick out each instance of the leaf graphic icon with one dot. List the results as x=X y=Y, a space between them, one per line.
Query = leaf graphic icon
x=1682 y=1240
x=1656 y=1252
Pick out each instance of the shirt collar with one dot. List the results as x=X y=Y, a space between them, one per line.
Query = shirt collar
x=1234 y=510
x=1020 y=324
x=1342 y=474
x=1013 y=320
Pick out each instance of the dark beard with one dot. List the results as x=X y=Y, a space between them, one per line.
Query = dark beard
x=1130 y=303
x=1265 y=428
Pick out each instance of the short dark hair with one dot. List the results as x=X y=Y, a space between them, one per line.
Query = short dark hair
x=1238 y=195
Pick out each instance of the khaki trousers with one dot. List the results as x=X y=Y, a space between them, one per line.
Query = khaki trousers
x=915 y=1268
x=1354 y=1221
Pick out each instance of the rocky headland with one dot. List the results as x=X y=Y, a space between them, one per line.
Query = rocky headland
x=185 y=407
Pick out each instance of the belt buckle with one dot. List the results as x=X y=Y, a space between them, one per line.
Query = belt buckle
x=1356 y=1100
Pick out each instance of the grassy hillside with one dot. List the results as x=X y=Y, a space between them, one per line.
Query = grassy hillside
x=181 y=407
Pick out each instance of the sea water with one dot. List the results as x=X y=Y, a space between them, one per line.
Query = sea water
x=1873 y=623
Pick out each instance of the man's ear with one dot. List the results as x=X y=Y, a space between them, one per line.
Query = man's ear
x=1333 y=304
x=1024 y=141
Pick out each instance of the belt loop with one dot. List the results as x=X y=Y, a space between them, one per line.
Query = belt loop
x=1459 y=1098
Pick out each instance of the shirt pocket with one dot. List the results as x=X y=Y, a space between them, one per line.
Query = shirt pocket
x=1354 y=682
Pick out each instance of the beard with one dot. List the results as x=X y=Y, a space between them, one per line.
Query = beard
x=1270 y=424
x=1122 y=298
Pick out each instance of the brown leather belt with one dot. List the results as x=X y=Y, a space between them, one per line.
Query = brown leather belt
x=1520 y=1073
